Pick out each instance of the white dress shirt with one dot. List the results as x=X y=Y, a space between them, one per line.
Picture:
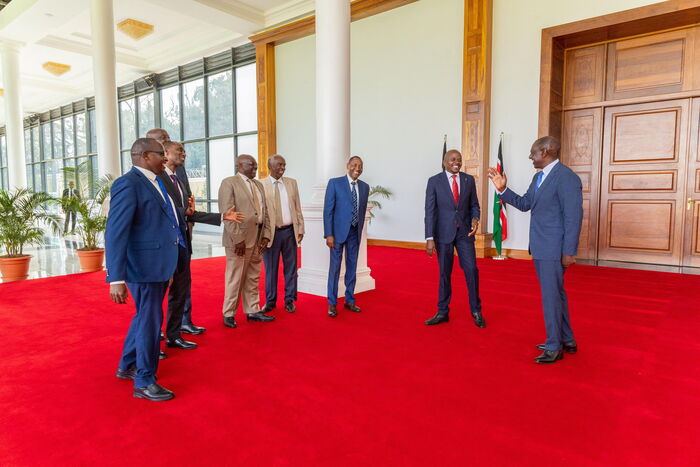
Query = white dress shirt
x=284 y=201
x=545 y=172
x=169 y=173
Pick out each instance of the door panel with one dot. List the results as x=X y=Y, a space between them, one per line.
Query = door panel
x=691 y=244
x=642 y=205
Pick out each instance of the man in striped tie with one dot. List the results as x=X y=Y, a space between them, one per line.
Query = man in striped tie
x=344 y=212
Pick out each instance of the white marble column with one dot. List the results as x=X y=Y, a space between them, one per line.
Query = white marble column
x=332 y=145
x=14 y=126
x=103 y=70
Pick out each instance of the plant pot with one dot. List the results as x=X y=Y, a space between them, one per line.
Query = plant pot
x=15 y=268
x=91 y=260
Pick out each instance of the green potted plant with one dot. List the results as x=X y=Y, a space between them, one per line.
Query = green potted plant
x=375 y=192
x=23 y=215
x=91 y=223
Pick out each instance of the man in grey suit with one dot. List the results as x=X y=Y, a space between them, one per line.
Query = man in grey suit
x=556 y=202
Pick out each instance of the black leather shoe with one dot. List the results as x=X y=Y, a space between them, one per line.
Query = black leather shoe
x=479 y=319
x=180 y=343
x=568 y=347
x=437 y=319
x=162 y=355
x=259 y=317
x=229 y=322
x=267 y=308
x=191 y=329
x=289 y=306
x=153 y=392
x=549 y=356
x=352 y=307
x=332 y=312
x=162 y=336
x=126 y=374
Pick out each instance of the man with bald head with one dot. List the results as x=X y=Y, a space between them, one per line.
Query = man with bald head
x=244 y=242
x=144 y=243
x=287 y=231
x=555 y=202
x=451 y=221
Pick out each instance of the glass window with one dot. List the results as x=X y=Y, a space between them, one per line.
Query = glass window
x=46 y=138
x=127 y=120
x=126 y=162
x=54 y=178
x=193 y=111
x=57 y=139
x=80 y=134
x=27 y=145
x=3 y=152
x=196 y=166
x=248 y=145
x=93 y=131
x=68 y=141
x=222 y=164
x=170 y=111
x=36 y=144
x=246 y=99
x=30 y=178
x=5 y=179
x=220 y=103
x=147 y=116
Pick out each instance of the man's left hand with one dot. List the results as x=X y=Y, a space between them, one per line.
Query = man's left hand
x=233 y=216
x=475 y=227
x=567 y=260
x=263 y=245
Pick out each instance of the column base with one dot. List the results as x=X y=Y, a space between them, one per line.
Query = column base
x=483 y=245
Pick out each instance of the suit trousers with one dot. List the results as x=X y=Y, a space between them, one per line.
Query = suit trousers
x=555 y=305
x=283 y=244
x=177 y=295
x=70 y=217
x=351 y=246
x=242 y=278
x=467 y=261
x=142 y=343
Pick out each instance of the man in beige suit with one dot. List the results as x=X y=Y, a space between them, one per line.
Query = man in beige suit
x=287 y=227
x=244 y=242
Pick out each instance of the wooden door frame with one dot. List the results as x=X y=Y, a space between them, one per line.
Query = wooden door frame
x=638 y=21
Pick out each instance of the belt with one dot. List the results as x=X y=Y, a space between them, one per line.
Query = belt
x=285 y=227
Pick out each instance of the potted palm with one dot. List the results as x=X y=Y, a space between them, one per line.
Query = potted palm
x=91 y=224
x=373 y=203
x=23 y=215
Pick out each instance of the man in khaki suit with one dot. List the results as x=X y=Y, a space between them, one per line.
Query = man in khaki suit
x=287 y=228
x=244 y=242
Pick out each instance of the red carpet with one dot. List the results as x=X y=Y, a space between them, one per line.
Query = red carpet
x=375 y=388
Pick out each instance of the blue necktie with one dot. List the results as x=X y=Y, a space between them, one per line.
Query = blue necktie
x=171 y=213
x=540 y=176
x=354 y=205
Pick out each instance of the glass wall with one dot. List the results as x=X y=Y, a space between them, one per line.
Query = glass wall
x=4 y=176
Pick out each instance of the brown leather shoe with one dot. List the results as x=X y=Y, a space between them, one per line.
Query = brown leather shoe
x=352 y=307
x=332 y=312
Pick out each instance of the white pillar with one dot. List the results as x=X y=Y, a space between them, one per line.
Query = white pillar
x=332 y=145
x=14 y=126
x=103 y=70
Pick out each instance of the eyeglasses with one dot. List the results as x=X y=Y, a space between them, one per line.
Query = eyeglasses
x=155 y=152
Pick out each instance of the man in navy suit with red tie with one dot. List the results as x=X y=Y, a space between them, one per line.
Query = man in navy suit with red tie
x=451 y=220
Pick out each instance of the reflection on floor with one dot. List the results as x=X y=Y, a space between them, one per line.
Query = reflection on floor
x=57 y=257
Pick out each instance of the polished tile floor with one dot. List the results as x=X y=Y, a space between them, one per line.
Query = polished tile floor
x=57 y=257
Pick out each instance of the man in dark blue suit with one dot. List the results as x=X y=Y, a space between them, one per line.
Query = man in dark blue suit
x=144 y=244
x=451 y=221
x=344 y=212
x=556 y=203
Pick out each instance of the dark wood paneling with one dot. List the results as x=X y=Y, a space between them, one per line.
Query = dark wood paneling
x=643 y=181
x=584 y=76
x=646 y=135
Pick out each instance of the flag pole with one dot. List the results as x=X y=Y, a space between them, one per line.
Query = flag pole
x=500 y=257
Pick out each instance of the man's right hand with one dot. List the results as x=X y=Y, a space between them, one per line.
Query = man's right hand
x=430 y=247
x=119 y=293
x=240 y=248
x=499 y=179
x=330 y=241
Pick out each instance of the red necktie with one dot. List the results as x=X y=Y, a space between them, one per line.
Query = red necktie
x=455 y=189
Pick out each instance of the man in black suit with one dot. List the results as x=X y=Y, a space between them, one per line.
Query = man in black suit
x=70 y=193
x=182 y=279
x=451 y=221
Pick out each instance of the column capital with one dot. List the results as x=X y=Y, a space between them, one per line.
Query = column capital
x=9 y=44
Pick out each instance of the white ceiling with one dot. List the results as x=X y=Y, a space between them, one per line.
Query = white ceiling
x=185 y=30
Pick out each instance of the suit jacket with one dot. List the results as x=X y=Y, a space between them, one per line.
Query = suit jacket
x=180 y=203
x=337 y=207
x=557 y=213
x=294 y=204
x=75 y=193
x=141 y=244
x=234 y=192
x=442 y=217
x=210 y=218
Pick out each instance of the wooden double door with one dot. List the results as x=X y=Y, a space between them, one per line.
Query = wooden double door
x=637 y=153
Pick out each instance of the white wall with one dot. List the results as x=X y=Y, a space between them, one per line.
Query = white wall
x=406 y=93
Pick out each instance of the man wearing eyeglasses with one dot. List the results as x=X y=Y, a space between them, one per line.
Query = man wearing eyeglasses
x=144 y=244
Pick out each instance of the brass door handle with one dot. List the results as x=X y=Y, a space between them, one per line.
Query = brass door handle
x=689 y=204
